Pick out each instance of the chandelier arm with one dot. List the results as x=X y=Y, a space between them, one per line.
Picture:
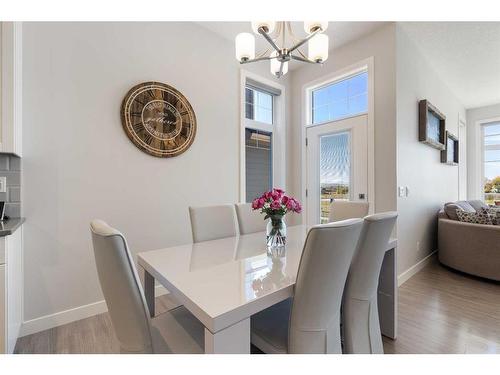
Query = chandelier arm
x=256 y=59
x=263 y=53
x=269 y=39
x=298 y=58
x=305 y=40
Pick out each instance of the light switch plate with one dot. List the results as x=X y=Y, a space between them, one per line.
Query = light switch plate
x=3 y=184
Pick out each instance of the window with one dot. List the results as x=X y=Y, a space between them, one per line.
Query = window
x=262 y=136
x=258 y=105
x=345 y=98
x=491 y=162
x=259 y=163
x=335 y=166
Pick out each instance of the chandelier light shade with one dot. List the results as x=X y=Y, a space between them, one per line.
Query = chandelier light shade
x=268 y=26
x=318 y=48
x=283 y=45
x=312 y=26
x=245 y=46
x=276 y=65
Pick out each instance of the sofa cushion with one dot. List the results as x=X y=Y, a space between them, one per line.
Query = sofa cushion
x=478 y=205
x=451 y=208
x=474 y=217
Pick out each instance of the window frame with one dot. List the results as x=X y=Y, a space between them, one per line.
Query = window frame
x=332 y=81
x=367 y=65
x=482 y=125
x=277 y=129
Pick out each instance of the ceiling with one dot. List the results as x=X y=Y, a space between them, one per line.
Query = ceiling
x=465 y=54
x=339 y=33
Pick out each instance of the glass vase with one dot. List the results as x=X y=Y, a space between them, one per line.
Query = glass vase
x=276 y=232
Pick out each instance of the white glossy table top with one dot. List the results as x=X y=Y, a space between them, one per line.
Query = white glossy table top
x=224 y=281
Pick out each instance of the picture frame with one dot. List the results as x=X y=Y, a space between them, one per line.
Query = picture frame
x=432 y=125
x=450 y=154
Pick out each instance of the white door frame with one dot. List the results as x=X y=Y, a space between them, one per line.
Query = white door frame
x=363 y=65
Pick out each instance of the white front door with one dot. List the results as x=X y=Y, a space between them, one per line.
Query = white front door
x=337 y=165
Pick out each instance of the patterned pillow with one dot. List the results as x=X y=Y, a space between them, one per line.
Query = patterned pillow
x=474 y=217
x=494 y=213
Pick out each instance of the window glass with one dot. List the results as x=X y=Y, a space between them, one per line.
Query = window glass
x=345 y=98
x=258 y=105
x=335 y=166
x=259 y=166
x=491 y=158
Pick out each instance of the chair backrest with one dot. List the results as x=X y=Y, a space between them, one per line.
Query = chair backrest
x=249 y=221
x=362 y=282
x=213 y=222
x=122 y=289
x=342 y=210
x=315 y=314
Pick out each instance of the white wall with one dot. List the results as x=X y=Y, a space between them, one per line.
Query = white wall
x=475 y=115
x=430 y=182
x=78 y=163
x=381 y=45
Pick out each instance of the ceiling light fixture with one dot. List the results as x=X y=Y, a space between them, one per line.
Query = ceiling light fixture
x=281 y=55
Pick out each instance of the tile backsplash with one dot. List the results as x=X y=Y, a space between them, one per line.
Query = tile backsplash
x=10 y=167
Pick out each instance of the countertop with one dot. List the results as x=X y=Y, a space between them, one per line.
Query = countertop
x=7 y=227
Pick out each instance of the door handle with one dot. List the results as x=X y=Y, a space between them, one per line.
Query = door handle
x=361 y=195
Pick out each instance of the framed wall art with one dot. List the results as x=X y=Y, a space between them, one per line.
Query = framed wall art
x=431 y=125
x=450 y=154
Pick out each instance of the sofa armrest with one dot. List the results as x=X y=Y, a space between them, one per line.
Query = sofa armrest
x=472 y=248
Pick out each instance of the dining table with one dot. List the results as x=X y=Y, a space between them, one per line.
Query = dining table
x=224 y=282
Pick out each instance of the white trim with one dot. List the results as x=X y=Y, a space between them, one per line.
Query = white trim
x=72 y=315
x=404 y=276
x=368 y=65
x=479 y=157
x=278 y=128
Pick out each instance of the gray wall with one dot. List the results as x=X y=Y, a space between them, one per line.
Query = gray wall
x=78 y=164
x=10 y=167
x=430 y=182
x=381 y=45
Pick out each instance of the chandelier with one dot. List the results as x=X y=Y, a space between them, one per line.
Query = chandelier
x=279 y=53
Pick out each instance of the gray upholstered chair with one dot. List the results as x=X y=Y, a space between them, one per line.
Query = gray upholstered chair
x=249 y=221
x=342 y=210
x=176 y=331
x=310 y=322
x=213 y=222
x=361 y=325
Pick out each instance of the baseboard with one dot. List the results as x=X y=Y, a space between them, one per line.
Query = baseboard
x=72 y=315
x=415 y=268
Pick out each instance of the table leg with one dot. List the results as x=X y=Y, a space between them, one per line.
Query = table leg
x=388 y=295
x=149 y=292
x=231 y=340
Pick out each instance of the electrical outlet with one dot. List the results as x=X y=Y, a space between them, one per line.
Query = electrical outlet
x=3 y=184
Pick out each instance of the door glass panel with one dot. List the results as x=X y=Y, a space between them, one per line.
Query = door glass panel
x=335 y=170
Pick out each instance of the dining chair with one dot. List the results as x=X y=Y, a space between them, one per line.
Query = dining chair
x=360 y=320
x=213 y=222
x=310 y=321
x=176 y=331
x=249 y=221
x=341 y=210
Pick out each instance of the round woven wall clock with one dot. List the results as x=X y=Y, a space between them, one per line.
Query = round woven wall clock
x=158 y=119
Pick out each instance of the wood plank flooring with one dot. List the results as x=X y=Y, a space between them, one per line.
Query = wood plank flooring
x=440 y=311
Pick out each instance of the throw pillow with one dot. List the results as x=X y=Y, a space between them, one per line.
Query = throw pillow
x=474 y=217
x=451 y=208
x=494 y=213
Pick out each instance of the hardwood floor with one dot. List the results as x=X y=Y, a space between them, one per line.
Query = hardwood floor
x=440 y=311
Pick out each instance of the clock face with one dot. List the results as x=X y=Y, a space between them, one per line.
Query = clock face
x=158 y=119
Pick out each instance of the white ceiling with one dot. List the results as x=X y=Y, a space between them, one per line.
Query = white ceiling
x=465 y=54
x=339 y=33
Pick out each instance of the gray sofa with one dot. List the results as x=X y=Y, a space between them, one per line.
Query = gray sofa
x=470 y=248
